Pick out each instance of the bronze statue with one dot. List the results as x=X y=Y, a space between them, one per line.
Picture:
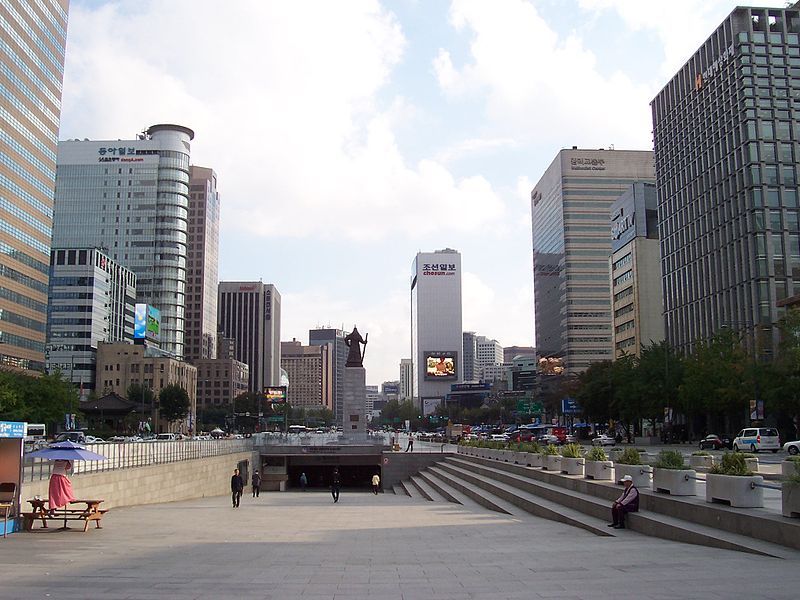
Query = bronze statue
x=355 y=358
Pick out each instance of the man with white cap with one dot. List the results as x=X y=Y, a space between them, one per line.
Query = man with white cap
x=627 y=502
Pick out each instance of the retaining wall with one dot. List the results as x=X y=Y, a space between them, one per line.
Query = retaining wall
x=168 y=482
x=397 y=466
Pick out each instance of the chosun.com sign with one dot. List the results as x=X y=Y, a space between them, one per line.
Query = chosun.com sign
x=434 y=269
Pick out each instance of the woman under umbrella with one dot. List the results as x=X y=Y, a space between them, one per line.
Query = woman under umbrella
x=60 y=491
x=64 y=454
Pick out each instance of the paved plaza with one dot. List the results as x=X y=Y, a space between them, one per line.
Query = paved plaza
x=300 y=545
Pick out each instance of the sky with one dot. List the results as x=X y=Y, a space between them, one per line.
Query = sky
x=348 y=136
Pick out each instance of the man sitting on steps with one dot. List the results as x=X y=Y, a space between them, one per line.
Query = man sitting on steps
x=627 y=502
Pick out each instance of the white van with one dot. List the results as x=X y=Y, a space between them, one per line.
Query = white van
x=167 y=437
x=757 y=438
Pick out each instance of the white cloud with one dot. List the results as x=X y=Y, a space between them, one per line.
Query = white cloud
x=681 y=25
x=507 y=318
x=285 y=108
x=539 y=84
x=474 y=146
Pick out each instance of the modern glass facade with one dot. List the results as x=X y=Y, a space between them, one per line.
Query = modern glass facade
x=32 y=40
x=571 y=245
x=337 y=350
x=726 y=133
x=130 y=198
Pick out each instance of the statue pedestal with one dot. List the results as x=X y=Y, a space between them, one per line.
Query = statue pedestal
x=354 y=406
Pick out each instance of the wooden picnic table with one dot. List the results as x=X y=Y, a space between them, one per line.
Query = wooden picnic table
x=40 y=512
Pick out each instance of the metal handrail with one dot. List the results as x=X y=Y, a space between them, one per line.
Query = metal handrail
x=126 y=455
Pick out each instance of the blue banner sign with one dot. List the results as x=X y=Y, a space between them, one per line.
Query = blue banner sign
x=12 y=429
x=569 y=406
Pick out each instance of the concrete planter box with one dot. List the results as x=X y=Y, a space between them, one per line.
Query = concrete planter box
x=572 y=466
x=599 y=469
x=738 y=491
x=790 y=499
x=675 y=482
x=521 y=458
x=639 y=473
x=788 y=468
x=752 y=464
x=509 y=456
x=703 y=462
x=551 y=462
x=493 y=454
x=534 y=459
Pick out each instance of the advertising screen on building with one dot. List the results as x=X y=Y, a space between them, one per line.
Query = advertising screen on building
x=275 y=394
x=146 y=322
x=440 y=365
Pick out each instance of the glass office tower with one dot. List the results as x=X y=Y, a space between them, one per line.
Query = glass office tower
x=32 y=40
x=726 y=134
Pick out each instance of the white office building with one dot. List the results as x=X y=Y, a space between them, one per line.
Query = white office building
x=488 y=352
x=406 y=376
x=436 y=326
x=130 y=199
x=90 y=300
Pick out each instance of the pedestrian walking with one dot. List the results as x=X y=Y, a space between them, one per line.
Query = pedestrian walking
x=303 y=481
x=376 y=483
x=335 y=485
x=410 y=447
x=627 y=502
x=237 y=487
x=256 y=484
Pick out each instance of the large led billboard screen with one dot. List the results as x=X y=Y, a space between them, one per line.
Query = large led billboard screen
x=440 y=366
x=146 y=322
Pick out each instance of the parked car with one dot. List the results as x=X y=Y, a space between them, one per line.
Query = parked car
x=756 y=439
x=166 y=437
x=549 y=438
x=792 y=448
x=522 y=435
x=499 y=437
x=77 y=437
x=603 y=440
x=91 y=439
x=715 y=442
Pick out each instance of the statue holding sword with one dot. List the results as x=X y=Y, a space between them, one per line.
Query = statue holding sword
x=355 y=358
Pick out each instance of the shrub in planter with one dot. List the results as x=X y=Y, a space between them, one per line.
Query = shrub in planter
x=731 y=481
x=670 y=474
x=572 y=460
x=701 y=459
x=630 y=463
x=550 y=458
x=751 y=460
x=597 y=464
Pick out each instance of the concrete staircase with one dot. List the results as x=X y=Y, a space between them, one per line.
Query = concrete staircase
x=522 y=491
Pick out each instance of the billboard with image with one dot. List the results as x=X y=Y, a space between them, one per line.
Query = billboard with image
x=440 y=366
x=146 y=323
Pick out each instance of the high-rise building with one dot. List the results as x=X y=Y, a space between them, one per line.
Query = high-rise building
x=726 y=135
x=250 y=313
x=571 y=245
x=635 y=266
x=488 y=352
x=436 y=326
x=470 y=347
x=202 y=265
x=334 y=338
x=373 y=396
x=33 y=35
x=406 y=377
x=309 y=369
x=130 y=199
x=91 y=299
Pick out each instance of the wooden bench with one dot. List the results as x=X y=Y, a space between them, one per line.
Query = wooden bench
x=92 y=512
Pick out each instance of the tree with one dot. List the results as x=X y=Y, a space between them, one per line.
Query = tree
x=595 y=394
x=783 y=393
x=173 y=403
x=141 y=395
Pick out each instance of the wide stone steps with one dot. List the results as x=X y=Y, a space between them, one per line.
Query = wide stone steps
x=399 y=490
x=464 y=495
x=525 y=487
x=487 y=485
x=426 y=490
